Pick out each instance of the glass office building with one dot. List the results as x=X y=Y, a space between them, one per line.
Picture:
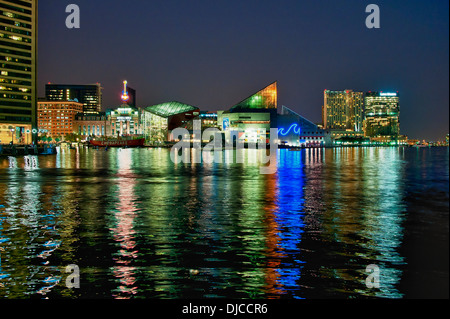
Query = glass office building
x=18 y=61
x=89 y=95
x=382 y=114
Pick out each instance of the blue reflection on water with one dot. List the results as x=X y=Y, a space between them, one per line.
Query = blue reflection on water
x=289 y=216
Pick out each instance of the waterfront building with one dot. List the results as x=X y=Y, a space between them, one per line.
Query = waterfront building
x=121 y=121
x=18 y=77
x=92 y=124
x=124 y=120
x=389 y=140
x=382 y=115
x=296 y=130
x=338 y=136
x=343 y=110
x=158 y=121
x=58 y=117
x=209 y=119
x=251 y=119
x=89 y=95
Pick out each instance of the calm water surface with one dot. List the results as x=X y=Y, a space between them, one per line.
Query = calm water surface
x=139 y=226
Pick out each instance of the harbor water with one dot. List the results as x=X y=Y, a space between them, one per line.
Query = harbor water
x=139 y=226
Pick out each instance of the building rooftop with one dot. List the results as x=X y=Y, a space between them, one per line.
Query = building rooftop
x=263 y=99
x=170 y=108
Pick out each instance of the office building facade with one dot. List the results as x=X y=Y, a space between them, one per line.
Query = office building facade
x=89 y=95
x=18 y=62
x=382 y=115
x=343 y=110
x=58 y=117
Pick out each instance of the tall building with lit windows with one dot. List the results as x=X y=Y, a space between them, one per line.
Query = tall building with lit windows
x=343 y=110
x=382 y=114
x=18 y=74
x=89 y=95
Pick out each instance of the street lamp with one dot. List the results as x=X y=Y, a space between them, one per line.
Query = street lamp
x=12 y=135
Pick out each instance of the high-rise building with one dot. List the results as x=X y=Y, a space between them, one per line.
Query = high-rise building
x=89 y=95
x=18 y=61
x=382 y=114
x=343 y=110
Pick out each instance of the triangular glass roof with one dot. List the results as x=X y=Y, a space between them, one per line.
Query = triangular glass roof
x=264 y=99
x=287 y=111
x=302 y=121
x=170 y=108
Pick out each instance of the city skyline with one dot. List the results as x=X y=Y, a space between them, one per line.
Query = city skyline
x=224 y=150
x=207 y=54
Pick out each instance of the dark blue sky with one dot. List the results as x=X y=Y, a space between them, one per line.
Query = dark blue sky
x=213 y=54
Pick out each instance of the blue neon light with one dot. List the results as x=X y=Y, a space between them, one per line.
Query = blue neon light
x=295 y=127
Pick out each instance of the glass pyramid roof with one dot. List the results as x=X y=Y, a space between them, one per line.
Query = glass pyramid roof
x=264 y=99
x=170 y=108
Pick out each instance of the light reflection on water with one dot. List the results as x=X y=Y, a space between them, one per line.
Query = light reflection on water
x=140 y=226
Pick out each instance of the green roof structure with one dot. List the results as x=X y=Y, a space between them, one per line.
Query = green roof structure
x=263 y=99
x=170 y=108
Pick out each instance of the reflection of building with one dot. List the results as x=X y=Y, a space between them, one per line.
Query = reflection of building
x=58 y=117
x=382 y=115
x=18 y=60
x=251 y=119
x=159 y=120
x=89 y=95
x=343 y=110
x=295 y=130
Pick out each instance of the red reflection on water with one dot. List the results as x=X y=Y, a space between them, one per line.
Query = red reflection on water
x=124 y=233
x=272 y=286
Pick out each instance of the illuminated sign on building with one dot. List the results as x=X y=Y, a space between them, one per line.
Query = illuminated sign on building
x=295 y=127
x=388 y=94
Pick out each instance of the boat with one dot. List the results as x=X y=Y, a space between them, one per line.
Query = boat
x=118 y=142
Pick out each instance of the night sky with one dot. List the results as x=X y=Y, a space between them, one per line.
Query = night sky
x=213 y=54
